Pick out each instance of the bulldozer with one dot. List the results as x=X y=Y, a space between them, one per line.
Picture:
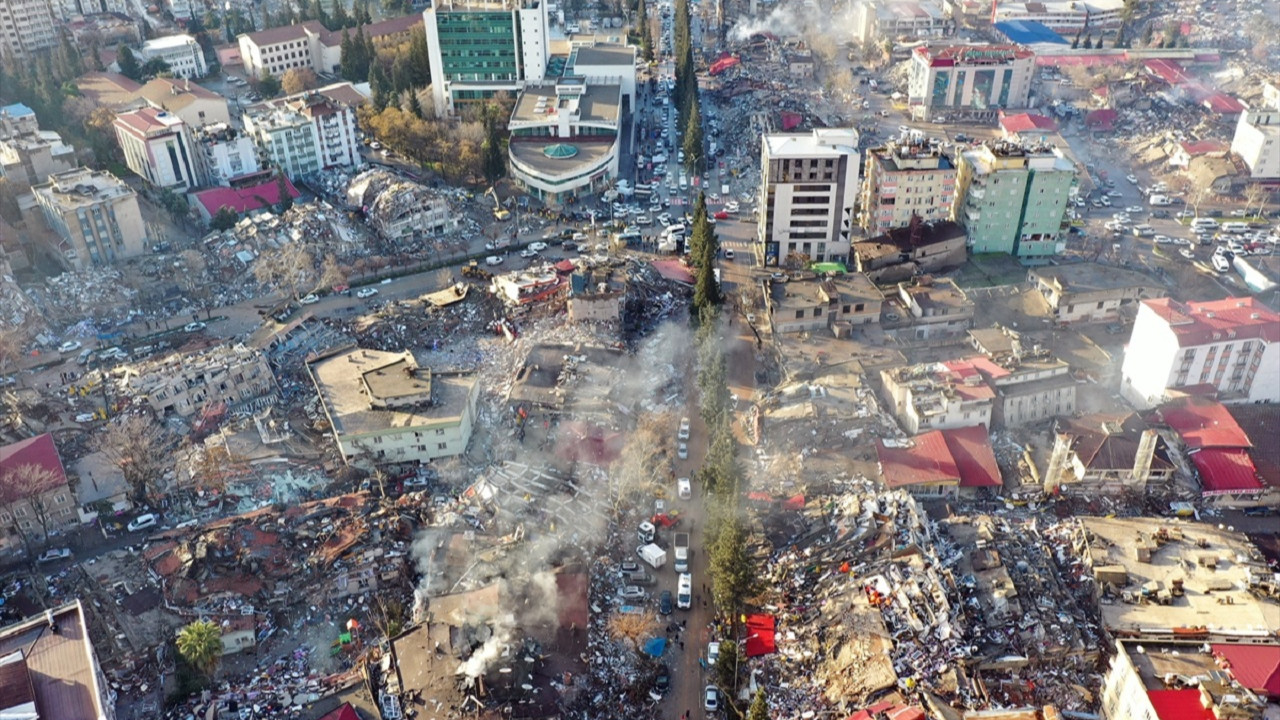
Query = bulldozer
x=473 y=271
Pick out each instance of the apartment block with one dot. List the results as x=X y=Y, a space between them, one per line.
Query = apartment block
x=384 y=408
x=876 y=20
x=158 y=147
x=936 y=396
x=48 y=668
x=483 y=47
x=181 y=52
x=1013 y=199
x=1230 y=346
x=26 y=26
x=227 y=153
x=94 y=215
x=399 y=209
x=311 y=45
x=308 y=132
x=1257 y=142
x=237 y=378
x=906 y=180
x=970 y=82
x=29 y=155
x=808 y=190
x=839 y=302
x=35 y=498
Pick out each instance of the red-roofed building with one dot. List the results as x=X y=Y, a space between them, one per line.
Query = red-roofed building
x=1232 y=344
x=1227 y=473
x=1107 y=454
x=1029 y=125
x=157 y=145
x=1185 y=151
x=1102 y=121
x=939 y=463
x=346 y=712
x=242 y=200
x=1204 y=423
x=1179 y=705
x=958 y=69
x=1256 y=667
x=35 y=498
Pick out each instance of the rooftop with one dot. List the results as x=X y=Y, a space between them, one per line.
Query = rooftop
x=107 y=88
x=341 y=378
x=1212 y=563
x=148 y=120
x=1204 y=423
x=936 y=295
x=842 y=288
x=1262 y=421
x=168 y=41
x=972 y=54
x=604 y=54
x=244 y=199
x=824 y=142
x=1089 y=277
x=542 y=104
x=957 y=456
x=176 y=93
x=82 y=186
x=1200 y=323
x=1027 y=122
x=57 y=658
x=1110 y=441
x=39 y=451
x=906 y=239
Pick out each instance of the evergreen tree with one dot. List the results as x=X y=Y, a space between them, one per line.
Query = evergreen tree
x=494 y=160
x=646 y=35
x=415 y=105
x=379 y=87
x=348 y=64
x=1075 y=44
x=1148 y=35
x=693 y=139
x=362 y=13
x=268 y=85
x=419 y=60
x=318 y=13
x=95 y=55
x=341 y=18
x=401 y=79
x=128 y=62
x=759 y=709
x=1088 y=42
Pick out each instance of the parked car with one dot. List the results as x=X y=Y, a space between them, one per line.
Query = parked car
x=69 y=346
x=684 y=489
x=711 y=699
x=53 y=554
x=493 y=260
x=538 y=246
x=528 y=253
x=143 y=521
x=311 y=299
x=683 y=433
x=194 y=327
x=665 y=603
x=683 y=451
x=713 y=653
x=366 y=292
x=631 y=592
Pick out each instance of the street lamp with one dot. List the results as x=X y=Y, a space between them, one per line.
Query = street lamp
x=737 y=657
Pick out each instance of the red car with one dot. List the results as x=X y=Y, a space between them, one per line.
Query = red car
x=722 y=215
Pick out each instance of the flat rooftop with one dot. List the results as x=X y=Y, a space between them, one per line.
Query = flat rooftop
x=338 y=379
x=1115 y=542
x=826 y=142
x=1090 y=277
x=529 y=151
x=59 y=665
x=603 y=54
x=598 y=104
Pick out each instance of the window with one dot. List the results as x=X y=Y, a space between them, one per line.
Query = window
x=442 y=446
x=799 y=314
x=439 y=431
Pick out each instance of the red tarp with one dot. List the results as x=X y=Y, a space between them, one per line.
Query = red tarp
x=760 y=635
x=1179 y=705
x=795 y=502
x=723 y=64
x=791 y=120
x=1225 y=472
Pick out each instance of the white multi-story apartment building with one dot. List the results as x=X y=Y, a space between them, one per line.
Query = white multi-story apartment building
x=226 y=152
x=25 y=27
x=95 y=215
x=311 y=45
x=875 y=20
x=1257 y=138
x=68 y=9
x=483 y=47
x=307 y=132
x=904 y=180
x=29 y=155
x=157 y=146
x=808 y=190
x=182 y=52
x=1231 y=345
x=969 y=81
x=1064 y=16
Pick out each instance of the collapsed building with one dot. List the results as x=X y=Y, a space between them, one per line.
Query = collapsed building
x=222 y=379
x=1107 y=454
x=398 y=208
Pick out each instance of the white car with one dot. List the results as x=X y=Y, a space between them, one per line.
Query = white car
x=538 y=246
x=1134 y=209
x=683 y=433
x=53 y=554
x=1184 y=252
x=85 y=417
x=683 y=451
x=713 y=653
x=194 y=327
x=366 y=292
x=143 y=521
x=1162 y=240
x=69 y=346
x=711 y=699
x=1132 y=178
x=659 y=507
x=529 y=253
x=311 y=299
x=684 y=488
x=493 y=260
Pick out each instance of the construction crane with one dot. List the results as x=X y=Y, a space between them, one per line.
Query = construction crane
x=499 y=213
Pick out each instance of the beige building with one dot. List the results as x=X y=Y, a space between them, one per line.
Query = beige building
x=383 y=408
x=1089 y=292
x=35 y=498
x=930 y=309
x=237 y=377
x=938 y=396
x=596 y=296
x=194 y=104
x=903 y=253
x=841 y=300
x=26 y=26
x=48 y=669
x=94 y=214
x=29 y=155
x=905 y=180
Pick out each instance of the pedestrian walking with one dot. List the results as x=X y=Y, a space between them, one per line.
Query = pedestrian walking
x=682 y=645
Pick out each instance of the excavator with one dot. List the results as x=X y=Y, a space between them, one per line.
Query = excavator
x=499 y=213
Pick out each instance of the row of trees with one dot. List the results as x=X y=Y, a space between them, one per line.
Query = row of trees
x=472 y=148
x=339 y=19
x=687 y=101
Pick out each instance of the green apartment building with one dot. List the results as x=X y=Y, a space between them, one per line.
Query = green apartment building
x=479 y=48
x=1013 y=199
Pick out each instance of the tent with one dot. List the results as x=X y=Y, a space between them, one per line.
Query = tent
x=761 y=631
x=656 y=646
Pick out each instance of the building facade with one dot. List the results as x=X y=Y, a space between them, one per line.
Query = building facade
x=308 y=132
x=971 y=82
x=849 y=299
x=1232 y=345
x=236 y=377
x=29 y=155
x=808 y=191
x=482 y=47
x=386 y=409
x=1012 y=199
x=277 y=50
x=399 y=209
x=906 y=180
x=1257 y=142
x=937 y=396
x=158 y=147
x=181 y=52
x=876 y=20
x=35 y=499
x=95 y=216
x=1064 y=16
x=1106 y=454
x=226 y=152
x=26 y=26
x=1088 y=292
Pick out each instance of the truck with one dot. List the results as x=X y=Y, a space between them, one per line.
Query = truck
x=652 y=554
x=682 y=552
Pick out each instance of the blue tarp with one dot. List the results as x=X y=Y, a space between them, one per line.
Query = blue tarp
x=1029 y=32
x=656 y=646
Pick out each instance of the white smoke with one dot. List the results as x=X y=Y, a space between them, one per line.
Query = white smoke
x=781 y=22
x=498 y=646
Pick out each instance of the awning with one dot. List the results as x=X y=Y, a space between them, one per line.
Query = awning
x=761 y=635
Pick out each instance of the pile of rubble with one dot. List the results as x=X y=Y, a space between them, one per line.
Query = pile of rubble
x=99 y=295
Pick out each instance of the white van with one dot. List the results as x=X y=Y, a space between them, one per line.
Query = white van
x=142 y=522
x=1204 y=223
x=684 y=591
x=1235 y=227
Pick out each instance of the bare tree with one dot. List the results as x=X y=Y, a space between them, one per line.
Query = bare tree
x=632 y=628
x=1197 y=197
x=12 y=338
x=331 y=273
x=136 y=445
x=288 y=269
x=24 y=491
x=645 y=457
x=297 y=80
x=1254 y=194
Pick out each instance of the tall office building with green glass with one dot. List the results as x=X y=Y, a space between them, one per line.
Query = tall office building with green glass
x=481 y=48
